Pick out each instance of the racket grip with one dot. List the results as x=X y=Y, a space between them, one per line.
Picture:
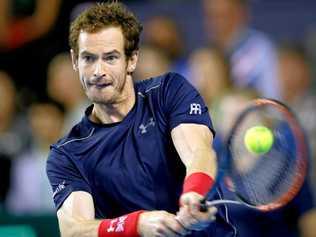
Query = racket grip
x=203 y=205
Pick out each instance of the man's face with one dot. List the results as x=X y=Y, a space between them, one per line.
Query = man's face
x=102 y=65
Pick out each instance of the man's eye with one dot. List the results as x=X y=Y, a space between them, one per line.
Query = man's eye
x=87 y=58
x=111 y=58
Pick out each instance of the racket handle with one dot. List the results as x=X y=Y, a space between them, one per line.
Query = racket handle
x=203 y=205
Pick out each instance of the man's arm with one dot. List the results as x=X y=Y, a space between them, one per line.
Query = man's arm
x=76 y=219
x=76 y=216
x=194 y=146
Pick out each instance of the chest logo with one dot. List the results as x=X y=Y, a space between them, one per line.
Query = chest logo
x=195 y=108
x=143 y=127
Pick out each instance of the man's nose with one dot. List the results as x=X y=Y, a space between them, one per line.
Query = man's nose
x=99 y=70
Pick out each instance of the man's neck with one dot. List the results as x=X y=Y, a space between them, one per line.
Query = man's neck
x=112 y=113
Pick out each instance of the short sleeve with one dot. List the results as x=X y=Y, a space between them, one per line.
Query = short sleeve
x=183 y=103
x=64 y=177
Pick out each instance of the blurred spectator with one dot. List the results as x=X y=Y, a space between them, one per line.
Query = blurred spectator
x=14 y=133
x=152 y=62
x=251 y=54
x=209 y=72
x=24 y=21
x=64 y=87
x=296 y=87
x=297 y=218
x=310 y=46
x=30 y=190
x=163 y=33
x=230 y=105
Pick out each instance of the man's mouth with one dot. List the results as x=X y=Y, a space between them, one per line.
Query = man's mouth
x=100 y=85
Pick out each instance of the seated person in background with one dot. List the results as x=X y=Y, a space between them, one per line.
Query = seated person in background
x=251 y=53
x=152 y=62
x=46 y=121
x=24 y=21
x=14 y=131
x=64 y=87
x=296 y=82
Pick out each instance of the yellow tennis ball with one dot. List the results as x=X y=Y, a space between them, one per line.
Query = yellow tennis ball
x=258 y=140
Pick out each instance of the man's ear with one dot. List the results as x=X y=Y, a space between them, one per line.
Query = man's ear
x=74 y=60
x=132 y=62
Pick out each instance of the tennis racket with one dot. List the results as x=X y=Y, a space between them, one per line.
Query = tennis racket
x=264 y=181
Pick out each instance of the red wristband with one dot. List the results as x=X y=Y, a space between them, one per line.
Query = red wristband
x=198 y=182
x=124 y=226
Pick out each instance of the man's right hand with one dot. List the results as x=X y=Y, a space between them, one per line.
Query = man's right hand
x=159 y=223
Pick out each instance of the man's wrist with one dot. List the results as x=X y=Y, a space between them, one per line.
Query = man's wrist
x=124 y=226
x=198 y=182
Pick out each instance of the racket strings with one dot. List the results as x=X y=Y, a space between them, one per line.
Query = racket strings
x=261 y=186
x=261 y=179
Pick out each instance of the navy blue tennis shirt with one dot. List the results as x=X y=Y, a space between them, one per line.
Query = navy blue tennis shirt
x=131 y=165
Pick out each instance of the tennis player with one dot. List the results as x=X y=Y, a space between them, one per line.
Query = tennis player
x=140 y=160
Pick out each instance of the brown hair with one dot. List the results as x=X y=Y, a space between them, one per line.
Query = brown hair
x=103 y=15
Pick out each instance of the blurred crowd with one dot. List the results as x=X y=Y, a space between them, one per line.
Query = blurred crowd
x=41 y=96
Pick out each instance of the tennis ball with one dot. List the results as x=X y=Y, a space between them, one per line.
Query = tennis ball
x=258 y=140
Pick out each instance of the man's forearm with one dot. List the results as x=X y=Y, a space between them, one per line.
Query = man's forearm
x=71 y=227
x=123 y=226
x=203 y=160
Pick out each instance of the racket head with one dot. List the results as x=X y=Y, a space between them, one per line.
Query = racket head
x=266 y=181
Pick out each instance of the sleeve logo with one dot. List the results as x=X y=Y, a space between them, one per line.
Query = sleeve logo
x=195 y=108
x=59 y=188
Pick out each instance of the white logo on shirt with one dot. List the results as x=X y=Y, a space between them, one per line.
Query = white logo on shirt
x=195 y=108
x=60 y=187
x=143 y=127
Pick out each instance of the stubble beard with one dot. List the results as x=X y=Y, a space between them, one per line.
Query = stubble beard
x=101 y=97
